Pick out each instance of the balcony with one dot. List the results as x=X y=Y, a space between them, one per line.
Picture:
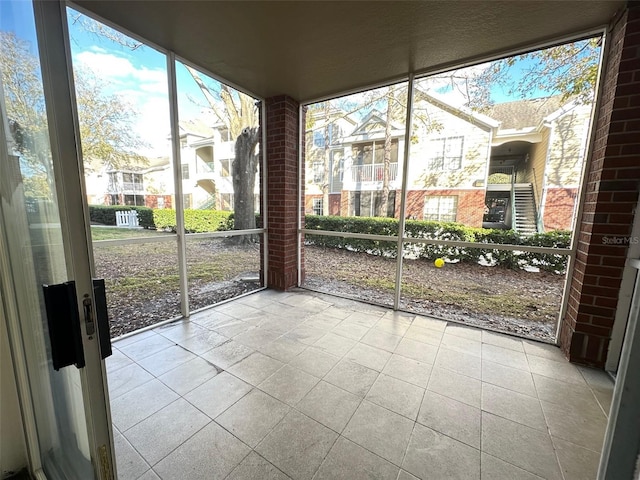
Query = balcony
x=128 y=188
x=373 y=172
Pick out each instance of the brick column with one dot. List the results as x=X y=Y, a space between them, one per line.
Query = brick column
x=282 y=194
x=611 y=191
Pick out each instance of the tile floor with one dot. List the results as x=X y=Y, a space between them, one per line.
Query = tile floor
x=308 y=386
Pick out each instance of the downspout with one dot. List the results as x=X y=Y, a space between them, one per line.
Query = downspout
x=543 y=197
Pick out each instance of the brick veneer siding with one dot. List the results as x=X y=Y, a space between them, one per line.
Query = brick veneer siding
x=611 y=191
x=558 y=208
x=470 y=204
x=282 y=194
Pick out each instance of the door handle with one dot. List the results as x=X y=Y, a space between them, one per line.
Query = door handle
x=61 y=304
x=104 y=330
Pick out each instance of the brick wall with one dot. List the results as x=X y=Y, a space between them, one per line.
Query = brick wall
x=282 y=201
x=611 y=193
x=470 y=204
x=558 y=208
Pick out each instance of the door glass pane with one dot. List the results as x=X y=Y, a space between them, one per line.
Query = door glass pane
x=123 y=112
x=32 y=243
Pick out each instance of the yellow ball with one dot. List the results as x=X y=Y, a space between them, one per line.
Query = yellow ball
x=439 y=263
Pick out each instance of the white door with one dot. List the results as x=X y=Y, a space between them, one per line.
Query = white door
x=43 y=241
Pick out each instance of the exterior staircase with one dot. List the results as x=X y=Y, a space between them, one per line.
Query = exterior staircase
x=524 y=209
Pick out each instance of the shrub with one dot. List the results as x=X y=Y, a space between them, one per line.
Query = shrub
x=106 y=214
x=440 y=231
x=195 y=221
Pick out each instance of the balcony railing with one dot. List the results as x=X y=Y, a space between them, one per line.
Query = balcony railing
x=373 y=173
x=125 y=187
x=501 y=175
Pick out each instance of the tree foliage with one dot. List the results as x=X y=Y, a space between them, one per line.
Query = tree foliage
x=106 y=121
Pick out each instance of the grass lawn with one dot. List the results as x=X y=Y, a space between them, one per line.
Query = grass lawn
x=116 y=233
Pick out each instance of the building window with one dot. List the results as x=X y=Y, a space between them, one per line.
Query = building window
x=137 y=200
x=160 y=202
x=445 y=154
x=318 y=138
x=186 y=201
x=185 y=171
x=318 y=206
x=318 y=172
x=369 y=204
x=226 y=201
x=225 y=167
x=440 y=208
x=369 y=162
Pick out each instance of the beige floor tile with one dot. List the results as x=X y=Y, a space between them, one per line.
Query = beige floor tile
x=505 y=356
x=513 y=406
x=202 y=342
x=158 y=435
x=148 y=475
x=297 y=445
x=380 y=339
x=289 y=384
x=165 y=360
x=493 y=468
x=465 y=332
x=257 y=337
x=575 y=426
x=430 y=323
x=452 y=418
x=335 y=344
x=571 y=395
x=415 y=350
x=139 y=403
x=604 y=398
x=253 y=416
x=544 y=350
x=254 y=467
x=504 y=341
x=149 y=345
x=469 y=365
x=189 y=375
x=216 y=395
x=461 y=344
x=329 y=405
x=433 y=455
x=453 y=385
x=380 y=431
x=563 y=370
x=522 y=446
x=408 y=370
x=406 y=476
x=314 y=361
x=306 y=334
x=370 y=357
x=349 y=461
x=398 y=396
x=577 y=463
x=117 y=360
x=127 y=378
x=180 y=330
x=423 y=334
x=130 y=463
x=227 y=354
x=352 y=330
x=282 y=349
x=596 y=378
x=352 y=377
x=507 y=377
x=211 y=453
x=255 y=368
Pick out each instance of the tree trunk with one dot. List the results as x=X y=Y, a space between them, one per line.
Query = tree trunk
x=245 y=167
x=386 y=172
x=326 y=174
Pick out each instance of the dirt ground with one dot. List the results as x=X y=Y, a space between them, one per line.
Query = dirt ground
x=512 y=301
x=143 y=285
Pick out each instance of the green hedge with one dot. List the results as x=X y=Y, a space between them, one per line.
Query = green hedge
x=441 y=231
x=106 y=214
x=195 y=221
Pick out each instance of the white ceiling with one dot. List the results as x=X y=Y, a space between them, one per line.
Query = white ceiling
x=310 y=49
